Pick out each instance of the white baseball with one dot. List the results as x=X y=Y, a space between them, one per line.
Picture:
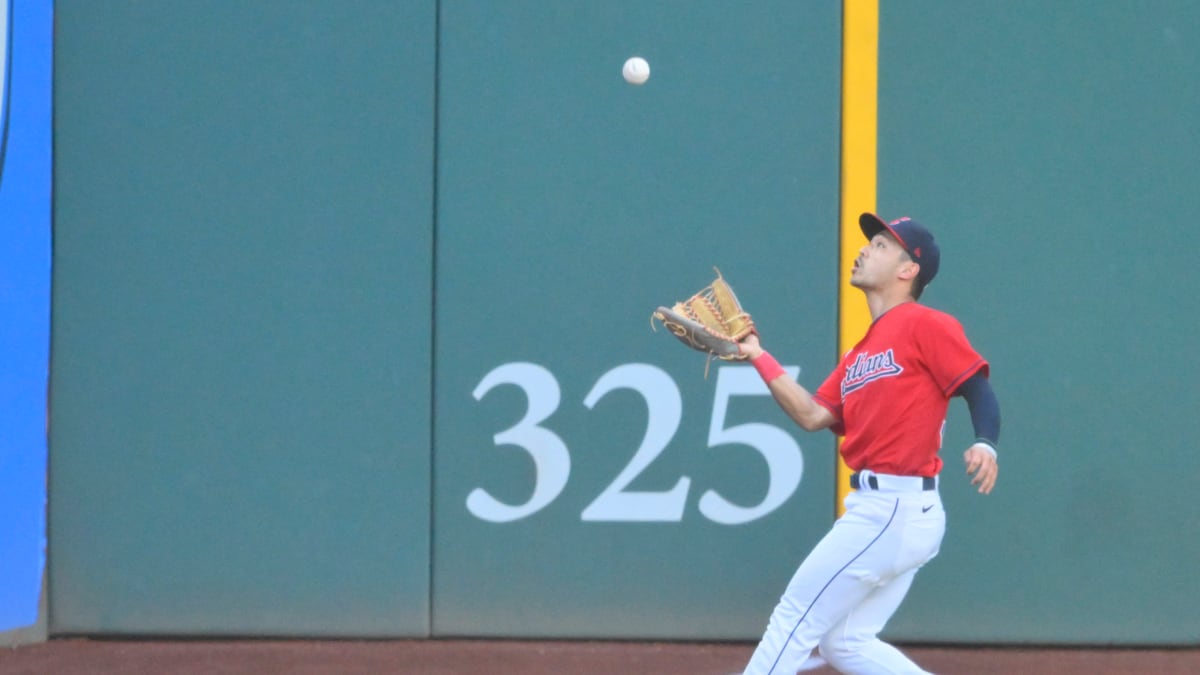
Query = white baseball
x=636 y=70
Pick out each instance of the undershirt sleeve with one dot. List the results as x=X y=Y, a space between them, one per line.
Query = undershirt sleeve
x=984 y=407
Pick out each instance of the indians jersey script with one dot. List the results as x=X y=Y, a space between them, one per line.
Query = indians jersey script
x=897 y=383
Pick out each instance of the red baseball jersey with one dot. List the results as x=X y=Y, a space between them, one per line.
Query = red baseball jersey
x=891 y=391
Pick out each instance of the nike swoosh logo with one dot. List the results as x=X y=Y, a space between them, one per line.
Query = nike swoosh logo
x=925 y=509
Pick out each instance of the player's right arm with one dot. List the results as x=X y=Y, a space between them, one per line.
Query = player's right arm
x=794 y=399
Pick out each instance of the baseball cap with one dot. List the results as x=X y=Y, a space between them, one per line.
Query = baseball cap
x=913 y=236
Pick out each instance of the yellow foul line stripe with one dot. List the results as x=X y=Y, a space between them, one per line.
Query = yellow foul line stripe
x=860 y=76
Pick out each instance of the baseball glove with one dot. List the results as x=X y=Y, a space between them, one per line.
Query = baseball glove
x=711 y=321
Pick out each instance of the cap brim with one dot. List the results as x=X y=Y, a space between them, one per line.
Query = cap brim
x=872 y=225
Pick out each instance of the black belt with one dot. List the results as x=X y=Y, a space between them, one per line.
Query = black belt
x=927 y=483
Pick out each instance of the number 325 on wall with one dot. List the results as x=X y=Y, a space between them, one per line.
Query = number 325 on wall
x=616 y=503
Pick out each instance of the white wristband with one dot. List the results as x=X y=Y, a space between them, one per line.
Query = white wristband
x=986 y=446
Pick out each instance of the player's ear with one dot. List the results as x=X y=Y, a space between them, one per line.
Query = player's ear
x=908 y=270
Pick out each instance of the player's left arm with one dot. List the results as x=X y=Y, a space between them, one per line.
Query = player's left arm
x=985 y=417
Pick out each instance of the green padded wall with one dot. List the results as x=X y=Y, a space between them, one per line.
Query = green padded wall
x=581 y=457
x=240 y=407
x=260 y=208
x=1052 y=147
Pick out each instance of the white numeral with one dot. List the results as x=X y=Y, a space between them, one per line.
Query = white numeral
x=666 y=410
x=785 y=463
x=551 y=460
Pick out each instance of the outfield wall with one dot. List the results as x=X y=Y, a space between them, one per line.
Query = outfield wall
x=351 y=313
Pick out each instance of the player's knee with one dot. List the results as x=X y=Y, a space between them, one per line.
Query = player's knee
x=837 y=649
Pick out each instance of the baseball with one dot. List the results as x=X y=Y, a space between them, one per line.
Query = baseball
x=636 y=70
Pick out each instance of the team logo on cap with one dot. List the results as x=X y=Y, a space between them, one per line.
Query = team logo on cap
x=869 y=367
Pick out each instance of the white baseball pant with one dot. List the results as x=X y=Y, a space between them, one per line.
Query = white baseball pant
x=852 y=582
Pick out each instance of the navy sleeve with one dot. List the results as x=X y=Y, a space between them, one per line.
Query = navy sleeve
x=985 y=409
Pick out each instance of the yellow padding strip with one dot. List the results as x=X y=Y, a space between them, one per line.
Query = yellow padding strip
x=860 y=79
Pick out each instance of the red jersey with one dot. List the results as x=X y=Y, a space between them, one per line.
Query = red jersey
x=891 y=391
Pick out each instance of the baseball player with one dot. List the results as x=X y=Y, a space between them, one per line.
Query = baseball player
x=888 y=397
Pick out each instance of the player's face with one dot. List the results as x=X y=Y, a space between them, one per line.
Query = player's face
x=878 y=263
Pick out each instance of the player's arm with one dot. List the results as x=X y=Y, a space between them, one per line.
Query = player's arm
x=985 y=418
x=791 y=397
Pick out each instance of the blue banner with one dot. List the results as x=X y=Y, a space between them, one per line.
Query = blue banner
x=25 y=249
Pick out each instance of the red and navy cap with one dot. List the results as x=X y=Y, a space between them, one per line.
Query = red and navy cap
x=912 y=236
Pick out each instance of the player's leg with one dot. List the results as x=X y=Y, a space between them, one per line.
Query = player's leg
x=853 y=645
x=840 y=572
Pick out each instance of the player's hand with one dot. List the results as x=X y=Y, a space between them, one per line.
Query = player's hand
x=750 y=347
x=982 y=465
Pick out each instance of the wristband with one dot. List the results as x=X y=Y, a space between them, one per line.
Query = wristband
x=766 y=365
x=986 y=445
